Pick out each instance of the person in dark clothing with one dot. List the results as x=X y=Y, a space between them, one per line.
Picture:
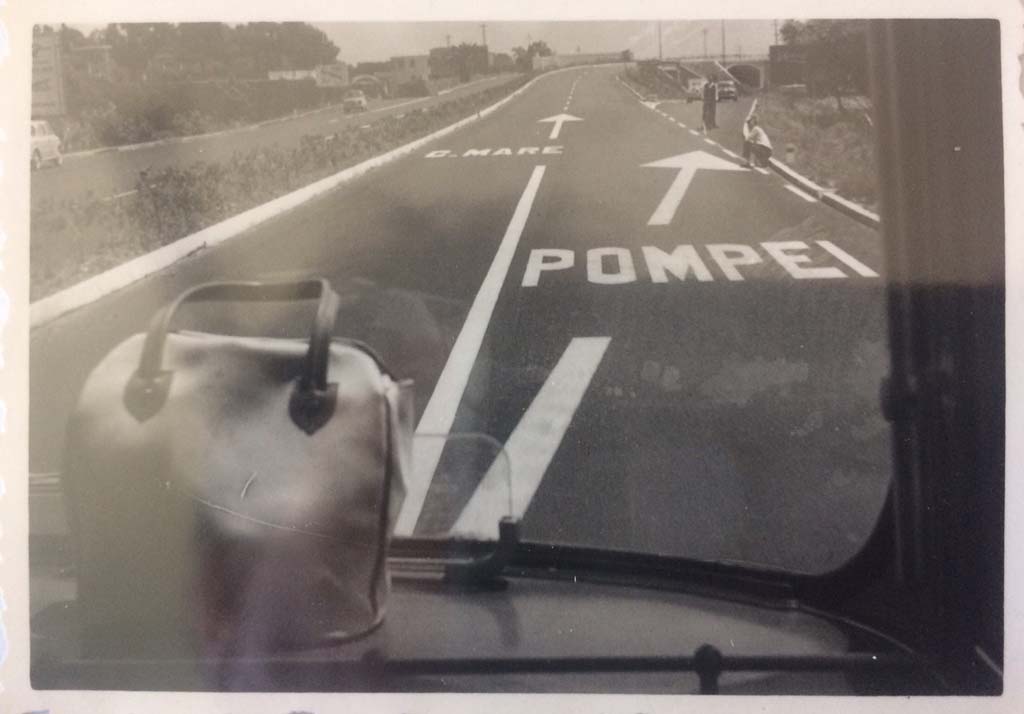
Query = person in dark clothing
x=710 y=97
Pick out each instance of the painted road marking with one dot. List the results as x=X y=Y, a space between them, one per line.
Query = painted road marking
x=733 y=154
x=710 y=141
x=694 y=132
x=117 y=196
x=806 y=196
x=550 y=150
x=535 y=440
x=558 y=120
x=439 y=415
x=687 y=165
x=851 y=262
x=617 y=266
x=762 y=170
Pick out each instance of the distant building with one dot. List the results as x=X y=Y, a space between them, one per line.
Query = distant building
x=332 y=75
x=447 y=62
x=442 y=62
x=292 y=74
x=372 y=68
x=409 y=68
x=554 y=61
x=502 y=62
x=93 y=60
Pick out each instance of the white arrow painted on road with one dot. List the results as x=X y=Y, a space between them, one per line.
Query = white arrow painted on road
x=687 y=165
x=558 y=120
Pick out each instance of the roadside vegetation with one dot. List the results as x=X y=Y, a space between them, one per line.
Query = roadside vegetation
x=833 y=148
x=76 y=239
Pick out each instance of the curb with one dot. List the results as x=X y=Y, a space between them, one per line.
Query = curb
x=830 y=199
x=60 y=303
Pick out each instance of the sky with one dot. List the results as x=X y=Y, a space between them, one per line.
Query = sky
x=378 y=41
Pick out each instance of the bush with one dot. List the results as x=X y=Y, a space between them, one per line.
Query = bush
x=833 y=148
x=74 y=239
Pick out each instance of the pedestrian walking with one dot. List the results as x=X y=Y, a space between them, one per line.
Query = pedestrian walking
x=756 y=144
x=710 y=97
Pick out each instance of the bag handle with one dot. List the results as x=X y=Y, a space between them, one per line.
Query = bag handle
x=313 y=399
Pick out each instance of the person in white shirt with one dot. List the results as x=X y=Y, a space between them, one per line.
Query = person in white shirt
x=755 y=144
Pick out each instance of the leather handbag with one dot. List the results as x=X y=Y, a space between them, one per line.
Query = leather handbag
x=232 y=496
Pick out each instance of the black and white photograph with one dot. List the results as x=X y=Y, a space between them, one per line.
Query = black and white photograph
x=478 y=354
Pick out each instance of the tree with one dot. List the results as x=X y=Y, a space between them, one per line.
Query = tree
x=626 y=55
x=539 y=48
x=470 y=59
x=524 y=57
x=835 y=54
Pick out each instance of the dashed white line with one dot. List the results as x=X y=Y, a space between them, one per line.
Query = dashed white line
x=439 y=414
x=694 y=132
x=710 y=141
x=762 y=170
x=733 y=154
x=806 y=196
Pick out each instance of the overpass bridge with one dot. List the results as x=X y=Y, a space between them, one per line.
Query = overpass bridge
x=751 y=70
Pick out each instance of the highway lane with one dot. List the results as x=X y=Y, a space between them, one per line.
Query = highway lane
x=110 y=174
x=702 y=386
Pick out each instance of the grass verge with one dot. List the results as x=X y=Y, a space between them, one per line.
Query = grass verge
x=833 y=148
x=72 y=240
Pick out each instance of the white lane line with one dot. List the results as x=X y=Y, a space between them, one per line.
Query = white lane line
x=439 y=415
x=848 y=259
x=806 y=196
x=762 y=170
x=534 y=442
x=710 y=141
x=694 y=132
x=120 y=195
x=731 y=153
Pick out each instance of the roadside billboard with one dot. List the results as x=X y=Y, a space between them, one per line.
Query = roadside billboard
x=47 y=79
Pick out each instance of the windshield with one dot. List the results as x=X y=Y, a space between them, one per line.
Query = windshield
x=636 y=317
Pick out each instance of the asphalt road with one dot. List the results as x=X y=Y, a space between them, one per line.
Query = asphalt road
x=111 y=174
x=685 y=368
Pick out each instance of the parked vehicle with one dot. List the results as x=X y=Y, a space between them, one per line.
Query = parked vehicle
x=354 y=101
x=727 y=90
x=693 y=90
x=45 y=145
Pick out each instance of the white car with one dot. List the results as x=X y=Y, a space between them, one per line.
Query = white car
x=45 y=145
x=354 y=101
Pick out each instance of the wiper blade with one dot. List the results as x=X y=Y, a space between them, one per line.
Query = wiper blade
x=479 y=571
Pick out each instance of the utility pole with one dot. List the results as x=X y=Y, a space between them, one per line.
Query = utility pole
x=723 y=40
x=659 y=39
x=483 y=32
x=705 y=32
x=775 y=27
x=447 y=40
